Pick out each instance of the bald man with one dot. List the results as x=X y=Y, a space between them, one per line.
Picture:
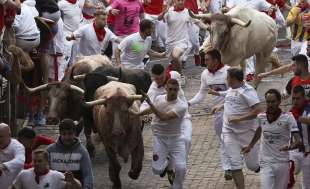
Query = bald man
x=12 y=157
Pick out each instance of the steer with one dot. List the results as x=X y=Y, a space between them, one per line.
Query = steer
x=240 y=34
x=119 y=130
x=65 y=100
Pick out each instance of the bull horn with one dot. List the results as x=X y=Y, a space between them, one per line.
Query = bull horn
x=198 y=16
x=95 y=102
x=135 y=97
x=35 y=89
x=111 y=78
x=77 y=89
x=79 y=77
x=240 y=22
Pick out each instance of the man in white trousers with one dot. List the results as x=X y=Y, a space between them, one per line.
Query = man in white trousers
x=241 y=107
x=275 y=129
x=168 y=146
x=214 y=78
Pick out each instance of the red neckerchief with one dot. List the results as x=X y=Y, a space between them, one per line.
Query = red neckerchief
x=297 y=112
x=37 y=175
x=221 y=65
x=178 y=9
x=271 y=117
x=72 y=1
x=100 y=32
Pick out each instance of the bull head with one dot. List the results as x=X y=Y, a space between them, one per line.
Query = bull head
x=103 y=100
x=220 y=26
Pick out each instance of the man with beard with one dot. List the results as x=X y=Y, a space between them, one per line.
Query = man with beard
x=274 y=129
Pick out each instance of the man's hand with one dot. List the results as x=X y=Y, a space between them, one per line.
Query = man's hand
x=246 y=149
x=146 y=98
x=285 y=148
x=115 y=12
x=262 y=75
x=69 y=177
x=216 y=109
x=212 y=92
x=234 y=120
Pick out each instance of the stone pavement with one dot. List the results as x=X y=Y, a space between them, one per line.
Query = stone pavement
x=204 y=168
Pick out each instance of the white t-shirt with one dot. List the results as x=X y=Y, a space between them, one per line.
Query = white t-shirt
x=177 y=25
x=215 y=6
x=274 y=136
x=24 y=24
x=13 y=157
x=260 y=5
x=71 y=15
x=88 y=42
x=170 y=127
x=216 y=81
x=237 y=103
x=52 y=180
x=133 y=50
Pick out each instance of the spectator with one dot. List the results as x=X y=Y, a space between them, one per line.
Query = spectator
x=41 y=177
x=69 y=155
x=12 y=157
x=31 y=141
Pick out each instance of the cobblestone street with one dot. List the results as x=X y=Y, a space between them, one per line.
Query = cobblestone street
x=204 y=168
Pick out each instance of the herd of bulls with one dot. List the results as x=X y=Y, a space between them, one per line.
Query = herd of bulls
x=100 y=97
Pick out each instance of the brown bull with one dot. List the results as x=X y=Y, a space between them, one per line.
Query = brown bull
x=65 y=100
x=119 y=130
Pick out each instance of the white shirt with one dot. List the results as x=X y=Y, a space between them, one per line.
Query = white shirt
x=170 y=127
x=260 y=5
x=71 y=15
x=177 y=24
x=215 y=6
x=216 y=81
x=88 y=42
x=13 y=157
x=274 y=136
x=52 y=180
x=238 y=102
x=133 y=50
x=24 y=24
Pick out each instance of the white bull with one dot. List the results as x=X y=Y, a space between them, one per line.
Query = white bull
x=240 y=34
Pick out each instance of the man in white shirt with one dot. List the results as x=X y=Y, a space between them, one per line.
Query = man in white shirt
x=27 y=33
x=214 y=78
x=274 y=129
x=41 y=177
x=133 y=48
x=12 y=157
x=168 y=146
x=94 y=37
x=241 y=106
x=157 y=88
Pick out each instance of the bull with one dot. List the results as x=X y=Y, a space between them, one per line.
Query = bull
x=67 y=95
x=119 y=129
x=240 y=34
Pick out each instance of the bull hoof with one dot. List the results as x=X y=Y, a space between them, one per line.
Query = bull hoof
x=91 y=150
x=133 y=175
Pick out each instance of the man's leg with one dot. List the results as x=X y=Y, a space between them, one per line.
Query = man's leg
x=251 y=158
x=187 y=135
x=177 y=154
x=160 y=155
x=267 y=177
x=232 y=148
x=193 y=31
x=176 y=59
x=306 y=172
x=281 y=172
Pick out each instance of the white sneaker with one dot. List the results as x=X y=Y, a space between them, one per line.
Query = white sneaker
x=183 y=80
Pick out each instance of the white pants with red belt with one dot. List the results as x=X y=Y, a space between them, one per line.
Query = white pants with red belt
x=274 y=175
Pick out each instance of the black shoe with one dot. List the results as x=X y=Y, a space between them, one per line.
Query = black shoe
x=171 y=176
x=163 y=174
x=257 y=170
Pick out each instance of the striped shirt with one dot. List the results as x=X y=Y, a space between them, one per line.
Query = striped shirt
x=299 y=33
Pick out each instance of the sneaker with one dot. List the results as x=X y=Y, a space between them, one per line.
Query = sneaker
x=228 y=175
x=183 y=81
x=171 y=176
x=39 y=119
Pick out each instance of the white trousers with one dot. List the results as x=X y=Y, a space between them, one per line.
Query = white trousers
x=56 y=65
x=193 y=32
x=218 y=124
x=233 y=143
x=187 y=135
x=302 y=163
x=274 y=175
x=298 y=48
x=174 y=149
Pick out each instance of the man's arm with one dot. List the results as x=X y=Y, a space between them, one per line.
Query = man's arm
x=18 y=161
x=294 y=145
x=154 y=54
x=162 y=14
x=255 y=110
x=281 y=70
x=117 y=57
x=254 y=140
x=293 y=16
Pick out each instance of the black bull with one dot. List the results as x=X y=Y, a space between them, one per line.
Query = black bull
x=92 y=81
